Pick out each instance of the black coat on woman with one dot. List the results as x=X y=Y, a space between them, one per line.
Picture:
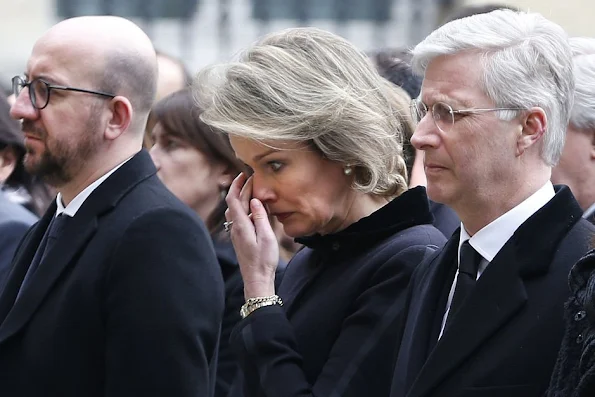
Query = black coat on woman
x=344 y=295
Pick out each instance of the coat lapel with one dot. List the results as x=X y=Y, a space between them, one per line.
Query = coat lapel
x=488 y=308
x=416 y=341
x=75 y=237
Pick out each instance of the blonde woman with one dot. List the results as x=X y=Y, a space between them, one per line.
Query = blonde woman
x=308 y=113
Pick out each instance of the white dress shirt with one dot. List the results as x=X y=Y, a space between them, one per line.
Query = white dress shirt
x=491 y=238
x=76 y=203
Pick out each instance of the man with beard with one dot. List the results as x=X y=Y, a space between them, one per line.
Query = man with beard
x=116 y=291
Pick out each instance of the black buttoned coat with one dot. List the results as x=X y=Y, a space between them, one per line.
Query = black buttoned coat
x=128 y=301
x=344 y=296
x=506 y=336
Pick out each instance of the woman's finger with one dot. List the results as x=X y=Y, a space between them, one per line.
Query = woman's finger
x=236 y=187
x=236 y=211
x=265 y=235
x=246 y=195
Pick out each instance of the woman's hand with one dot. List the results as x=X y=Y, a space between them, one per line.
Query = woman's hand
x=253 y=239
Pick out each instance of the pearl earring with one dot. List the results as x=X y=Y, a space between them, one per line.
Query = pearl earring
x=348 y=170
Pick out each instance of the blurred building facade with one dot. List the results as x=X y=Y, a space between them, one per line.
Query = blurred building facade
x=204 y=31
x=576 y=16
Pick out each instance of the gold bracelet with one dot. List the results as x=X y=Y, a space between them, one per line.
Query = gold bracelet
x=258 y=299
x=253 y=304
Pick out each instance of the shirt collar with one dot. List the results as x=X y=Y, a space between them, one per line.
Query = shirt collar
x=492 y=237
x=76 y=203
x=590 y=211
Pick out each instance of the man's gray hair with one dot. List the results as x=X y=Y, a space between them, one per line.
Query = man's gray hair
x=311 y=86
x=583 y=56
x=526 y=63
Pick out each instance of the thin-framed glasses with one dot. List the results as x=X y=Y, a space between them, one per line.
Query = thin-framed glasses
x=444 y=115
x=40 y=90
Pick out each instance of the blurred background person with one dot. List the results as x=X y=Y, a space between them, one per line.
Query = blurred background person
x=172 y=76
x=198 y=165
x=15 y=219
x=307 y=112
x=394 y=65
x=576 y=168
x=16 y=183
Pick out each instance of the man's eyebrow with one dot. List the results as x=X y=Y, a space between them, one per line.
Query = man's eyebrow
x=446 y=99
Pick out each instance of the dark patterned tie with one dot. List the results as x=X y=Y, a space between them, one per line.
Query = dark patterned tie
x=466 y=279
x=49 y=239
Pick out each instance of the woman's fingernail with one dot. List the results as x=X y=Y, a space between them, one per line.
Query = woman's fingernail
x=256 y=203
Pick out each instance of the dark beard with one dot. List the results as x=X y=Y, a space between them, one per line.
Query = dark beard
x=58 y=164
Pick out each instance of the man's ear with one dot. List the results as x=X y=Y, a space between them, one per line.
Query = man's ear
x=8 y=162
x=591 y=133
x=121 y=117
x=533 y=123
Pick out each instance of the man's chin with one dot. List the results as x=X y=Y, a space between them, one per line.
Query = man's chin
x=34 y=164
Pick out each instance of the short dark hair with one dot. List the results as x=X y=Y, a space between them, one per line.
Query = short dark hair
x=467 y=11
x=179 y=116
x=394 y=65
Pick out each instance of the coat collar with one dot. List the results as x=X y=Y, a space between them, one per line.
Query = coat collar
x=76 y=234
x=527 y=254
x=409 y=209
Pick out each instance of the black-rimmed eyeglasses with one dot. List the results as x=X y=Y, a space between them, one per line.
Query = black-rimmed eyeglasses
x=39 y=90
x=444 y=115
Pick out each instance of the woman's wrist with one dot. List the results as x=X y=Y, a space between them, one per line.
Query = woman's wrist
x=256 y=289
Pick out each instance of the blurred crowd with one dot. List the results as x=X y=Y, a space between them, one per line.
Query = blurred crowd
x=305 y=219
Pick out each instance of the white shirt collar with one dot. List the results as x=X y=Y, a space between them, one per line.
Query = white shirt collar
x=589 y=211
x=76 y=203
x=492 y=237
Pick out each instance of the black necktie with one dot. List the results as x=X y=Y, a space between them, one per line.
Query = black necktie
x=466 y=279
x=49 y=239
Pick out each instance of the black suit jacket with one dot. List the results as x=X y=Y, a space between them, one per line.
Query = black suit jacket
x=505 y=337
x=128 y=302
x=344 y=296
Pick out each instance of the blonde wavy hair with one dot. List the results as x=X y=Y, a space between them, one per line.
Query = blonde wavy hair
x=308 y=85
